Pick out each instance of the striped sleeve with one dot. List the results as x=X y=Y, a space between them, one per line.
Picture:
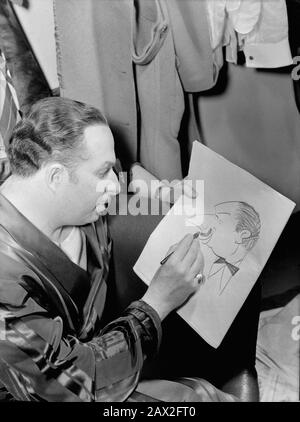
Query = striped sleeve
x=39 y=361
x=9 y=106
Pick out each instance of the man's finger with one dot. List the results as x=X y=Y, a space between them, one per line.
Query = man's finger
x=198 y=265
x=172 y=249
x=182 y=247
x=192 y=253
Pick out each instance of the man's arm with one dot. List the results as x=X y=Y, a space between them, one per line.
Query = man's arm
x=40 y=361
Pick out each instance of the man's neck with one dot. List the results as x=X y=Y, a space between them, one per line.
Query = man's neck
x=237 y=256
x=31 y=201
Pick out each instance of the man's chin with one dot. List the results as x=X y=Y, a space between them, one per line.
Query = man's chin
x=205 y=240
x=93 y=217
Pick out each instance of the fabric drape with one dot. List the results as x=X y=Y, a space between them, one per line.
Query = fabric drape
x=133 y=60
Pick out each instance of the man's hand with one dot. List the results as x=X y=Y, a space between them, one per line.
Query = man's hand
x=175 y=281
x=145 y=184
x=170 y=192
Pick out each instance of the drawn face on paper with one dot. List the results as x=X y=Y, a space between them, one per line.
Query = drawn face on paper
x=219 y=230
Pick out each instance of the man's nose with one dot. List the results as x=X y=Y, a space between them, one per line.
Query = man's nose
x=113 y=186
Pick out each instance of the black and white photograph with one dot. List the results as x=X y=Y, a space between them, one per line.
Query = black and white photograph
x=149 y=204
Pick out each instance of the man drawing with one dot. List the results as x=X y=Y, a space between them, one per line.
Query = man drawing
x=54 y=264
x=231 y=232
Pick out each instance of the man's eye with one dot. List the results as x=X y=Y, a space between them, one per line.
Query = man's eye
x=219 y=220
x=103 y=173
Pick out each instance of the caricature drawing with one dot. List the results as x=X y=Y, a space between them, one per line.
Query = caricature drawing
x=239 y=219
x=230 y=233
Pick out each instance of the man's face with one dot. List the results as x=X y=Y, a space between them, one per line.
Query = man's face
x=87 y=194
x=218 y=231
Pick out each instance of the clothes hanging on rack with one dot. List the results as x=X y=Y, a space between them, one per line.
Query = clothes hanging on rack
x=93 y=40
x=195 y=62
x=172 y=53
x=137 y=81
x=258 y=28
x=159 y=91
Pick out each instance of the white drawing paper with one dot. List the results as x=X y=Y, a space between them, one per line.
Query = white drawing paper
x=240 y=221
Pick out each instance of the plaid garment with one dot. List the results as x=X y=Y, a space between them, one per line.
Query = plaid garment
x=51 y=344
x=8 y=106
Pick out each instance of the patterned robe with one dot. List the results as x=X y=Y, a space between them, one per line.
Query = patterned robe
x=52 y=346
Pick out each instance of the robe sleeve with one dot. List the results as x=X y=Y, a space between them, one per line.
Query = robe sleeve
x=40 y=361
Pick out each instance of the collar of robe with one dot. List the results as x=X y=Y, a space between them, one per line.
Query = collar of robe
x=65 y=283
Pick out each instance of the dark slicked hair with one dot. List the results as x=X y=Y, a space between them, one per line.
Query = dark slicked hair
x=52 y=130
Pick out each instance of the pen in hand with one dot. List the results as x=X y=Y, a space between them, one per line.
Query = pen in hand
x=195 y=235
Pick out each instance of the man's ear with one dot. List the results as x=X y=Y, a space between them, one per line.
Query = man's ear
x=56 y=175
x=242 y=235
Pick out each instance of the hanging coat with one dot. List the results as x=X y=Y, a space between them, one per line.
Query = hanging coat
x=133 y=60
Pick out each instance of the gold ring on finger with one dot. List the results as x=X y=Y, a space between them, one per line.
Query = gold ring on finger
x=199 y=277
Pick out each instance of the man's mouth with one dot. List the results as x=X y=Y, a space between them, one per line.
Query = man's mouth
x=101 y=207
x=205 y=236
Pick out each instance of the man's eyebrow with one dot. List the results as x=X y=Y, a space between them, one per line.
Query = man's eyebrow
x=223 y=212
x=109 y=163
x=105 y=165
